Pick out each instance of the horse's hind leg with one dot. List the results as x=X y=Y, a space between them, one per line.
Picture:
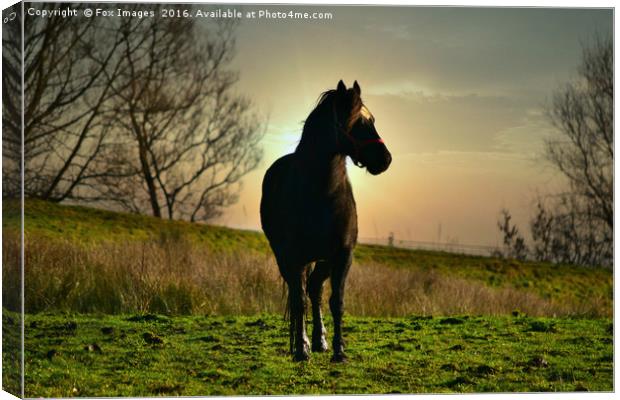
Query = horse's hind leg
x=336 y=301
x=315 y=291
x=297 y=304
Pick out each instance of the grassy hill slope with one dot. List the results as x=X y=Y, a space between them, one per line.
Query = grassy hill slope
x=98 y=282
x=82 y=231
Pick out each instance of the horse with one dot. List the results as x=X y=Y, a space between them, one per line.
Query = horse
x=308 y=212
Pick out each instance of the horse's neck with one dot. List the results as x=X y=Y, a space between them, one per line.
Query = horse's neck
x=321 y=161
x=327 y=173
x=336 y=173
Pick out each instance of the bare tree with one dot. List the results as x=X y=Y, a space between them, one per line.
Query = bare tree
x=181 y=133
x=11 y=102
x=137 y=112
x=66 y=61
x=582 y=111
x=576 y=226
x=583 y=152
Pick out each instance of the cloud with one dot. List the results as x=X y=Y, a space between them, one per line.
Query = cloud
x=405 y=88
x=394 y=31
x=427 y=123
x=457 y=94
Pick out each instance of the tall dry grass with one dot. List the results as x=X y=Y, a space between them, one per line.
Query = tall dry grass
x=173 y=276
x=378 y=290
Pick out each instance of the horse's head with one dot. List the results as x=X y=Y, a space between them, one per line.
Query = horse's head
x=358 y=136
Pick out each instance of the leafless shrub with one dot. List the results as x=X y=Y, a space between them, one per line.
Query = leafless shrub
x=514 y=243
x=568 y=234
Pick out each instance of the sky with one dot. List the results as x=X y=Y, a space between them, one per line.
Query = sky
x=458 y=95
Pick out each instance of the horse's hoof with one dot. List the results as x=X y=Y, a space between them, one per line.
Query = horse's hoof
x=339 y=358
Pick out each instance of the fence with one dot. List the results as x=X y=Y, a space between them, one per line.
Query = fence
x=471 y=249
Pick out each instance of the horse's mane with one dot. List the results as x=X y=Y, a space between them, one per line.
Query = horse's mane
x=321 y=118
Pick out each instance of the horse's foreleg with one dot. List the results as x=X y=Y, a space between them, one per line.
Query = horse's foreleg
x=297 y=301
x=336 y=302
x=315 y=291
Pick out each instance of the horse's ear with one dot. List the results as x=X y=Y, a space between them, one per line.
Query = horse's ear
x=341 y=87
x=357 y=88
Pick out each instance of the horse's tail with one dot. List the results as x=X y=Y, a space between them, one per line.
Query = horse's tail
x=309 y=269
x=305 y=277
x=287 y=313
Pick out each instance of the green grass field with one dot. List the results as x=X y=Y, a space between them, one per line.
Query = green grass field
x=146 y=355
x=121 y=304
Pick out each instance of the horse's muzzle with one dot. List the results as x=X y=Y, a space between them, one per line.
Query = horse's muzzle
x=380 y=163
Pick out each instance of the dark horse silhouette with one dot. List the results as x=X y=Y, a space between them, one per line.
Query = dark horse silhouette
x=308 y=212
